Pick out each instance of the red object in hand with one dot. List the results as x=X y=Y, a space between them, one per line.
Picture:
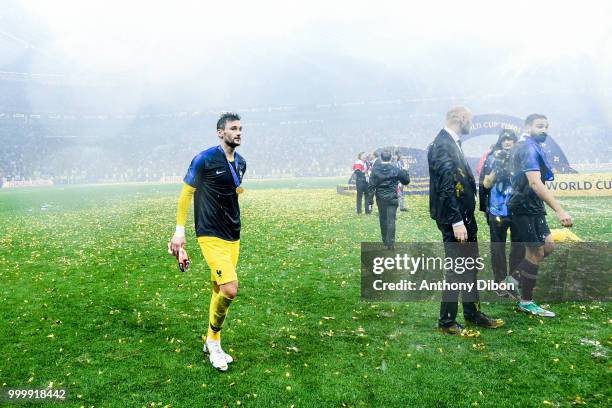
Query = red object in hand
x=183 y=260
x=181 y=256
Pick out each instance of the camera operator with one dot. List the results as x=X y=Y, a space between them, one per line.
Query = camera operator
x=494 y=195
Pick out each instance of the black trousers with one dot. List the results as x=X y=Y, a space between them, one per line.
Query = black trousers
x=387 y=215
x=453 y=249
x=362 y=195
x=498 y=227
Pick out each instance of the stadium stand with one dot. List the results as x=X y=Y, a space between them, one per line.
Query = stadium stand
x=284 y=141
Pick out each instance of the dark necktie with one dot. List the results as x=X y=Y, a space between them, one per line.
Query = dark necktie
x=463 y=159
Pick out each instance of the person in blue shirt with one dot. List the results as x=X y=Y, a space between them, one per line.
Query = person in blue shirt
x=494 y=193
x=213 y=181
x=531 y=168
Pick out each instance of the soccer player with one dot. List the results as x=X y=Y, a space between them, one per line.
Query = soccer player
x=529 y=193
x=213 y=180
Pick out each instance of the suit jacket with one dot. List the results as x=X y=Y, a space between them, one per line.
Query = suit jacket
x=452 y=188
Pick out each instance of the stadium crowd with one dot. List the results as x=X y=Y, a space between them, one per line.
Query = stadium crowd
x=73 y=148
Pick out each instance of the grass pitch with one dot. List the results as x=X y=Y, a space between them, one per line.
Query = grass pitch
x=91 y=301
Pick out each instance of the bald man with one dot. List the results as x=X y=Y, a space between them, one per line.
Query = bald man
x=452 y=201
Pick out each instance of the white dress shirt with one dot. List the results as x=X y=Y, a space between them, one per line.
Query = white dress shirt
x=456 y=138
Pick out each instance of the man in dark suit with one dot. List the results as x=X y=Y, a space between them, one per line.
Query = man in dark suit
x=384 y=179
x=452 y=201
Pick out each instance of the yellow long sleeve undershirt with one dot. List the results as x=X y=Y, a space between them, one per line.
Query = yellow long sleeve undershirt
x=184 y=202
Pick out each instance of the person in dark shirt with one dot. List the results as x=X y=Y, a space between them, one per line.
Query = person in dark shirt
x=215 y=176
x=401 y=164
x=531 y=169
x=383 y=185
x=371 y=160
x=360 y=170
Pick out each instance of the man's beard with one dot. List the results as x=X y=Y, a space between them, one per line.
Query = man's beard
x=231 y=143
x=541 y=138
x=465 y=130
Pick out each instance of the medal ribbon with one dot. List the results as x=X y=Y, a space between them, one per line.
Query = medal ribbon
x=237 y=180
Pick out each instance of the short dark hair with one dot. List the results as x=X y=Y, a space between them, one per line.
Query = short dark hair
x=226 y=117
x=385 y=155
x=534 y=116
x=508 y=134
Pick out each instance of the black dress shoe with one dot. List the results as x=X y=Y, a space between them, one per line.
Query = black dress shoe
x=482 y=320
x=454 y=328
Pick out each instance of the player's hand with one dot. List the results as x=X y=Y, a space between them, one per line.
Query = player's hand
x=461 y=234
x=176 y=243
x=565 y=218
x=183 y=260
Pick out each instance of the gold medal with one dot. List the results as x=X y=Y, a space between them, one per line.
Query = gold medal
x=239 y=190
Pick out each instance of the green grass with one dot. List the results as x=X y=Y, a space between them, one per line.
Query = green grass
x=91 y=301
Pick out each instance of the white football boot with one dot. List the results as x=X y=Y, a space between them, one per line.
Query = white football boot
x=218 y=358
x=228 y=358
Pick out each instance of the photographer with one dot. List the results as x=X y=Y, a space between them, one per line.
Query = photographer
x=494 y=194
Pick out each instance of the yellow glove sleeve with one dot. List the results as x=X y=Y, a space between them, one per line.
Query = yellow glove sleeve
x=184 y=202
